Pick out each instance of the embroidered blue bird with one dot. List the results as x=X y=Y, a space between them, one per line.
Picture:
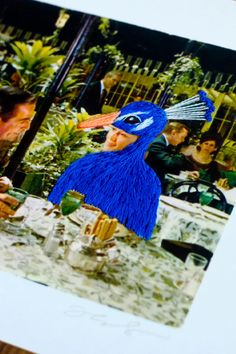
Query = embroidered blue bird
x=120 y=183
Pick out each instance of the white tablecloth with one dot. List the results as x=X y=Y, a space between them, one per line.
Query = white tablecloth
x=144 y=280
x=183 y=221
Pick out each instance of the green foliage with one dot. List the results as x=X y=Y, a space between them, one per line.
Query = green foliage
x=5 y=39
x=104 y=27
x=48 y=40
x=60 y=23
x=35 y=63
x=113 y=53
x=57 y=144
x=73 y=81
x=109 y=51
x=185 y=70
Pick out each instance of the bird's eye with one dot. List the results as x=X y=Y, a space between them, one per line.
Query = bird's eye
x=132 y=120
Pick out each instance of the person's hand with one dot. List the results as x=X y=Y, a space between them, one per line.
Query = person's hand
x=6 y=204
x=223 y=183
x=193 y=175
x=5 y=184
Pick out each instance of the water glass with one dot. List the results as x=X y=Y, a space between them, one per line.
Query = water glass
x=71 y=201
x=206 y=198
x=194 y=271
x=195 y=261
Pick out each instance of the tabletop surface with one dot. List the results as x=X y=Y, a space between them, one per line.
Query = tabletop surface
x=230 y=194
x=143 y=280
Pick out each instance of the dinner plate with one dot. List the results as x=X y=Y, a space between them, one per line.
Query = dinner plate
x=176 y=177
x=39 y=228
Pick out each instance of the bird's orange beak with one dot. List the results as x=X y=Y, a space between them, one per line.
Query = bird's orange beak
x=98 y=120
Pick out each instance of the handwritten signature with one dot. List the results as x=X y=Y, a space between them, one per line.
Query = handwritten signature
x=129 y=328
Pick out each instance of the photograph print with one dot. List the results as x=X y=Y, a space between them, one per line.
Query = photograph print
x=118 y=158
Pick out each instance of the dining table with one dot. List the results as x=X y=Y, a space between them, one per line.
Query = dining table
x=229 y=193
x=143 y=279
x=183 y=221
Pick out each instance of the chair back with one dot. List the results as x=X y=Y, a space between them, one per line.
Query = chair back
x=193 y=192
x=182 y=249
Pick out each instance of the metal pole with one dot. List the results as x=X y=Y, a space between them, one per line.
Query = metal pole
x=89 y=80
x=76 y=46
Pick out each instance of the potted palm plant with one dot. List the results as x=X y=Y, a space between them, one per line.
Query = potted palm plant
x=35 y=63
x=57 y=144
x=182 y=78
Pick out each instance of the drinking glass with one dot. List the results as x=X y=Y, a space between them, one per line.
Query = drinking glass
x=194 y=271
x=195 y=261
x=71 y=201
x=206 y=198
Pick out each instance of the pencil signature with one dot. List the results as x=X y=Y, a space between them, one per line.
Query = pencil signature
x=129 y=328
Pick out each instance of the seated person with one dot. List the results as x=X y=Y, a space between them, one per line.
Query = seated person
x=120 y=182
x=160 y=157
x=117 y=180
x=228 y=174
x=227 y=180
x=229 y=164
x=6 y=201
x=16 y=112
x=201 y=158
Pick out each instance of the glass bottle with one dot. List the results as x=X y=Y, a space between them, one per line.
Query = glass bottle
x=52 y=242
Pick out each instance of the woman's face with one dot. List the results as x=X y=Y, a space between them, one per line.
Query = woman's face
x=208 y=146
x=16 y=126
x=118 y=139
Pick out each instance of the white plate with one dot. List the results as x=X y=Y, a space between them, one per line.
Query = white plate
x=176 y=177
